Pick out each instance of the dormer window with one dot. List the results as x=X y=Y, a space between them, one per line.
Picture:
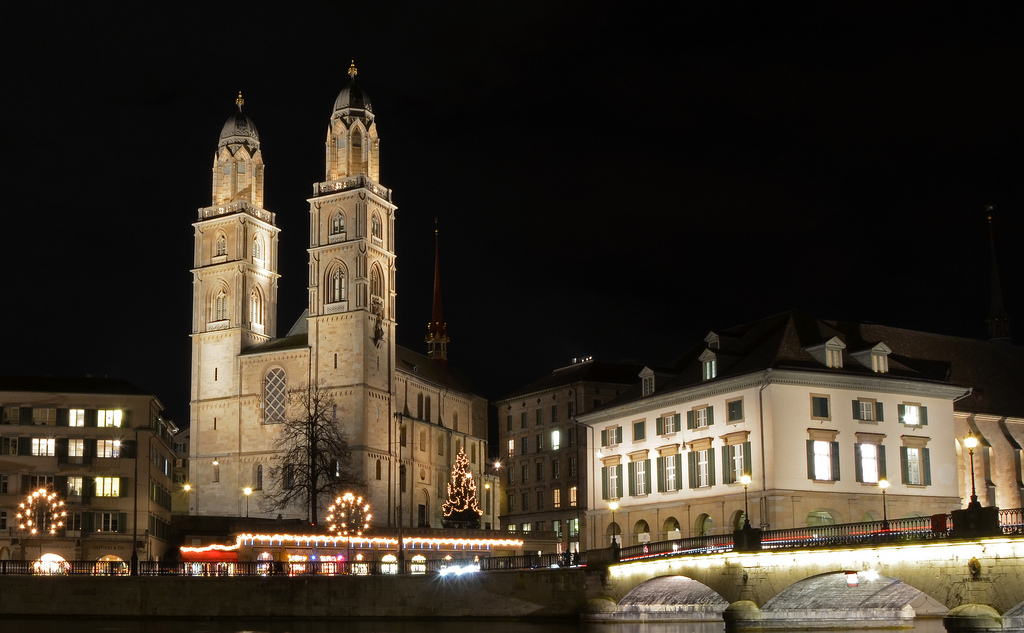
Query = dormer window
x=876 y=359
x=880 y=363
x=834 y=358
x=829 y=353
x=647 y=381
x=713 y=340
x=709 y=365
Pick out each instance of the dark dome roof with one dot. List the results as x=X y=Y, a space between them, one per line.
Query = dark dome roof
x=351 y=96
x=239 y=129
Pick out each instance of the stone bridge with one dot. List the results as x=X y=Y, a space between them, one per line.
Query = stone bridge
x=978 y=584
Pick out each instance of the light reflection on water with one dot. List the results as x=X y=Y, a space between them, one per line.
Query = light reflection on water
x=466 y=625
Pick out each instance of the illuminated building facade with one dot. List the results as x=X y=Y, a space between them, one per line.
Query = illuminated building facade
x=80 y=438
x=815 y=412
x=402 y=411
x=543 y=451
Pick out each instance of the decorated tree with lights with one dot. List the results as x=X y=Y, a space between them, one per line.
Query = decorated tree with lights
x=461 y=509
x=315 y=462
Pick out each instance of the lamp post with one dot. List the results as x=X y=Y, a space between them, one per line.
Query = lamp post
x=745 y=480
x=883 y=484
x=971 y=442
x=248 y=491
x=134 y=570
x=614 y=505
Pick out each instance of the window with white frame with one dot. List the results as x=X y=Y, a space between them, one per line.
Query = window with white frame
x=511 y=446
x=700 y=417
x=107 y=522
x=736 y=458
x=646 y=381
x=44 y=447
x=668 y=424
x=611 y=475
x=44 y=416
x=611 y=436
x=913 y=414
x=867 y=410
x=76 y=449
x=822 y=460
x=870 y=460
x=8 y=446
x=639 y=470
x=108 y=448
x=35 y=482
x=702 y=468
x=915 y=465
x=75 y=485
x=669 y=471
x=76 y=417
x=710 y=368
x=108 y=418
x=108 y=486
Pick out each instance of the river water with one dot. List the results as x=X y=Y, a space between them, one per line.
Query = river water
x=159 y=625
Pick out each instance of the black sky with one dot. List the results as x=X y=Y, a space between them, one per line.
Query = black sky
x=610 y=181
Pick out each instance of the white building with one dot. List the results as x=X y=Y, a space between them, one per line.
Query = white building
x=815 y=412
x=400 y=409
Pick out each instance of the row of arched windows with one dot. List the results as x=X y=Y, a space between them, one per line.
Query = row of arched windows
x=337 y=225
x=219 y=306
x=220 y=246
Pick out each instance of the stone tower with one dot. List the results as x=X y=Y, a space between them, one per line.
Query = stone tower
x=352 y=274
x=234 y=275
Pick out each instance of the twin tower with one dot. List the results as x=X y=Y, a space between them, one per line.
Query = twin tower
x=243 y=373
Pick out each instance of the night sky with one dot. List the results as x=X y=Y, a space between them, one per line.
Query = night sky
x=611 y=180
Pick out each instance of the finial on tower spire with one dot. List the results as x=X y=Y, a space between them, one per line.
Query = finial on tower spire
x=239 y=101
x=352 y=70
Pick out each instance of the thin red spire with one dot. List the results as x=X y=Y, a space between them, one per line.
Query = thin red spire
x=437 y=329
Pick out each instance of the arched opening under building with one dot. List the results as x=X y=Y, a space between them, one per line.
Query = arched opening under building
x=671 y=598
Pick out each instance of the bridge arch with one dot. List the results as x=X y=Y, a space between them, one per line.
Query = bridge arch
x=872 y=595
x=671 y=598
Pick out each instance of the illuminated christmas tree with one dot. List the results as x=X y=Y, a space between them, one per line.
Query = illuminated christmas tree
x=42 y=512
x=461 y=509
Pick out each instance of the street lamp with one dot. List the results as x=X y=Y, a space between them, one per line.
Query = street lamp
x=615 y=528
x=971 y=442
x=745 y=480
x=248 y=491
x=883 y=484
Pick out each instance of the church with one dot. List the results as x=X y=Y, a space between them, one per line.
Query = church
x=405 y=414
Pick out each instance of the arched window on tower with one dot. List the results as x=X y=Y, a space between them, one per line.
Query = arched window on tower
x=357 y=144
x=257 y=248
x=222 y=246
x=337 y=287
x=375 y=227
x=376 y=290
x=255 y=308
x=275 y=395
x=220 y=306
x=338 y=223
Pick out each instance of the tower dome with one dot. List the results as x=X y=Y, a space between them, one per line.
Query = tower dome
x=239 y=129
x=351 y=97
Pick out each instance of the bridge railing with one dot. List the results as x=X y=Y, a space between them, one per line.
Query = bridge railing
x=694 y=545
x=865 y=533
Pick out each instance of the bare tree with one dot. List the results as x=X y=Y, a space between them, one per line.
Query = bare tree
x=315 y=464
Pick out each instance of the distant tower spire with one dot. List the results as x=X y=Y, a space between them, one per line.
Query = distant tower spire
x=352 y=70
x=239 y=101
x=437 y=329
x=998 y=319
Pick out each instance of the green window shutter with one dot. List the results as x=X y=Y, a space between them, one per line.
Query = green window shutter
x=726 y=461
x=647 y=481
x=122 y=522
x=632 y=478
x=856 y=412
x=692 y=458
x=678 y=422
x=618 y=435
x=659 y=426
x=604 y=437
x=62 y=450
x=661 y=474
x=62 y=417
x=835 y=461
x=711 y=416
x=926 y=467
x=902 y=410
x=924 y=415
x=810 y=459
x=904 y=467
x=90 y=447
x=689 y=420
x=711 y=466
x=747 y=460
x=881 y=462
x=858 y=467
x=123 y=486
x=90 y=417
x=878 y=412
x=618 y=473
x=604 y=482
x=679 y=469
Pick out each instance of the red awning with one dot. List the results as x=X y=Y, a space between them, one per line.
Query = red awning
x=210 y=556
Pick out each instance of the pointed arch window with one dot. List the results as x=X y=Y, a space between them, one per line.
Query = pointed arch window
x=222 y=246
x=338 y=223
x=376 y=284
x=257 y=248
x=275 y=394
x=336 y=292
x=357 y=140
x=255 y=308
x=375 y=226
x=220 y=306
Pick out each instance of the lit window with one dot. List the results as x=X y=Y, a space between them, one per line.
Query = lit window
x=42 y=447
x=511 y=528
x=700 y=417
x=74 y=486
x=76 y=448
x=737 y=462
x=915 y=466
x=526 y=527
x=710 y=369
x=44 y=416
x=880 y=363
x=555 y=440
x=108 y=487
x=274 y=396
x=913 y=414
x=107 y=448
x=820 y=408
x=108 y=418
x=107 y=521
x=822 y=460
x=556 y=498
x=572 y=497
x=511 y=448
x=76 y=417
x=870 y=462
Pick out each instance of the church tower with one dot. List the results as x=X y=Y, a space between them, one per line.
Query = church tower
x=234 y=274
x=352 y=275
x=437 y=329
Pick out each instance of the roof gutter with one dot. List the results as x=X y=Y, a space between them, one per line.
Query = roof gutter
x=764 y=472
